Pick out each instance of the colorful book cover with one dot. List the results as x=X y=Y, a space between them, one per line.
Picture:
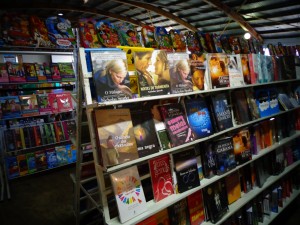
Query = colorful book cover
x=217 y=41
x=198 y=117
x=224 y=154
x=61 y=154
x=55 y=73
x=87 y=33
x=143 y=127
x=52 y=161
x=40 y=72
x=51 y=127
x=262 y=102
x=44 y=137
x=241 y=109
x=179 y=213
x=225 y=44
x=59 y=131
x=268 y=69
x=177 y=41
x=208 y=158
x=127 y=34
x=154 y=78
x=246 y=68
x=235 y=71
x=53 y=102
x=147 y=33
x=12 y=167
x=274 y=104
x=196 y=208
x=186 y=170
x=40 y=160
x=107 y=34
x=28 y=138
x=129 y=193
x=64 y=102
x=69 y=127
x=216 y=201
x=22 y=164
x=110 y=73
x=253 y=65
x=71 y=153
x=47 y=72
x=44 y=104
x=10 y=106
x=254 y=111
x=233 y=187
x=192 y=42
x=48 y=133
x=19 y=138
x=29 y=105
x=163 y=39
x=67 y=72
x=217 y=65
x=180 y=73
x=161 y=177
x=37 y=136
x=31 y=162
x=16 y=72
x=3 y=73
x=242 y=146
x=116 y=136
x=176 y=124
x=235 y=44
x=30 y=72
x=39 y=32
x=200 y=78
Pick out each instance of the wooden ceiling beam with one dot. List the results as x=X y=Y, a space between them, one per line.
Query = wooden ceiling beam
x=158 y=11
x=59 y=7
x=235 y=16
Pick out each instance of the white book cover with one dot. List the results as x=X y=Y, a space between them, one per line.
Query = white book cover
x=129 y=193
x=236 y=78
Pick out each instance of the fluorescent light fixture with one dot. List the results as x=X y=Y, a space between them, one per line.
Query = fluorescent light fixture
x=247 y=36
x=60 y=14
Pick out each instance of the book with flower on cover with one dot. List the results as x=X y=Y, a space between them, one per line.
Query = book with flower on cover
x=161 y=177
x=129 y=193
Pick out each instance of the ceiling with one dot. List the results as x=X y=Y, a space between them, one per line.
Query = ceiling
x=265 y=20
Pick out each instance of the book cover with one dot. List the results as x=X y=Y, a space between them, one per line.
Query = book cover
x=47 y=70
x=116 y=136
x=246 y=178
x=209 y=161
x=289 y=67
x=107 y=34
x=59 y=132
x=254 y=111
x=186 y=170
x=143 y=127
x=200 y=78
x=127 y=34
x=216 y=201
x=246 y=68
x=64 y=102
x=44 y=137
x=28 y=137
x=44 y=104
x=180 y=73
x=40 y=160
x=163 y=138
x=30 y=72
x=51 y=158
x=19 y=138
x=3 y=73
x=40 y=72
x=196 y=208
x=217 y=65
x=48 y=133
x=147 y=33
x=55 y=73
x=67 y=72
x=110 y=73
x=179 y=213
x=71 y=153
x=178 y=42
x=163 y=39
x=152 y=69
x=22 y=164
x=37 y=136
x=69 y=129
x=12 y=167
x=235 y=71
x=198 y=116
x=241 y=109
x=221 y=111
x=129 y=193
x=31 y=162
x=161 y=177
x=268 y=69
x=285 y=102
x=176 y=124
x=242 y=146
x=61 y=154
x=10 y=106
x=53 y=102
x=262 y=102
x=16 y=72
x=224 y=152
x=233 y=187
x=29 y=105
x=193 y=43
x=10 y=140
x=253 y=65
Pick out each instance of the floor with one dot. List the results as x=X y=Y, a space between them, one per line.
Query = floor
x=47 y=199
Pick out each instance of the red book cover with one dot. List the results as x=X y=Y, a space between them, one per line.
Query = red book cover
x=253 y=68
x=53 y=102
x=196 y=208
x=161 y=177
x=37 y=136
x=64 y=102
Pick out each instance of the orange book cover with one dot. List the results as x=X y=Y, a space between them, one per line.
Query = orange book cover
x=196 y=208
x=266 y=134
x=233 y=187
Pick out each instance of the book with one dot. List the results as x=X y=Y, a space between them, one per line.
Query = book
x=53 y=102
x=176 y=124
x=127 y=34
x=143 y=127
x=242 y=146
x=224 y=155
x=87 y=33
x=71 y=153
x=254 y=111
x=28 y=137
x=246 y=178
x=37 y=136
x=198 y=116
x=3 y=73
x=31 y=162
x=178 y=42
x=235 y=71
x=161 y=177
x=163 y=38
x=285 y=102
x=107 y=34
x=200 y=78
x=262 y=101
x=69 y=129
x=217 y=65
x=147 y=33
x=12 y=167
x=240 y=107
x=221 y=111
x=233 y=187
x=186 y=170
x=246 y=68
x=30 y=72
x=216 y=201
x=196 y=208
x=44 y=104
x=10 y=106
x=61 y=154
x=179 y=213
x=59 y=131
x=16 y=72
x=208 y=158
x=129 y=193
x=273 y=98
x=116 y=136
x=22 y=164
x=29 y=105
x=67 y=72
x=55 y=73
x=10 y=140
x=40 y=160
x=180 y=73
x=110 y=74
x=52 y=161
x=64 y=102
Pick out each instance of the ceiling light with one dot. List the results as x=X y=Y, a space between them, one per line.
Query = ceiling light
x=60 y=14
x=247 y=36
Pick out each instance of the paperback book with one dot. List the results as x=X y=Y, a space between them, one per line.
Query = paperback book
x=52 y=161
x=30 y=157
x=235 y=71
x=208 y=158
x=233 y=187
x=16 y=72
x=64 y=102
x=40 y=160
x=200 y=78
x=10 y=106
x=241 y=108
x=67 y=72
x=55 y=73
x=61 y=154
x=44 y=104
x=30 y=72
x=3 y=73
x=179 y=213
x=217 y=65
x=29 y=105
x=196 y=208
x=242 y=146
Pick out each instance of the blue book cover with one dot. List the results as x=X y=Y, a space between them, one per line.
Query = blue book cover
x=199 y=117
x=52 y=161
x=71 y=153
x=12 y=167
x=262 y=102
x=273 y=98
x=31 y=162
x=10 y=106
x=61 y=154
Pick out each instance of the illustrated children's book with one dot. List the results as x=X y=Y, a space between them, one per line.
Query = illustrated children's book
x=3 y=73
x=110 y=73
x=127 y=34
x=39 y=32
x=176 y=124
x=116 y=136
x=67 y=72
x=10 y=106
x=40 y=160
x=51 y=158
x=30 y=72
x=29 y=105
x=31 y=162
x=53 y=102
x=196 y=208
x=163 y=39
x=44 y=104
x=148 y=36
x=12 y=167
x=177 y=40
x=217 y=64
x=160 y=170
x=22 y=163
x=64 y=102
x=179 y=213
x=55 y=73
x=61 y=154
x=129 y=193
x=16 y=72
x=192 y=42
x=87 y=33
x=107 y=34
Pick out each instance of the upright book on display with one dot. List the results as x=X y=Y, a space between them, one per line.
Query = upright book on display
x=217 y=64
x=129 y=193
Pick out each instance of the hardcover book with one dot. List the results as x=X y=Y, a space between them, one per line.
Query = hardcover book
x=216 y=201
x=179 y=213
x=116 y=136
x=52 y=161
x=180 y=73
x=233 y=187
x=30 y=72
x=235 y=71
x=176 y=124
x=110 y=73
x=64 y=102
x=242 y=146
x=217 y=65
x=67 y=72
x=22 y=164
x=161 y=177
x=143 y=127
x=29 y=105
x=3 y=73
x=198 y=117
x=129 y=193
x=186 y=170
x=196 y=208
